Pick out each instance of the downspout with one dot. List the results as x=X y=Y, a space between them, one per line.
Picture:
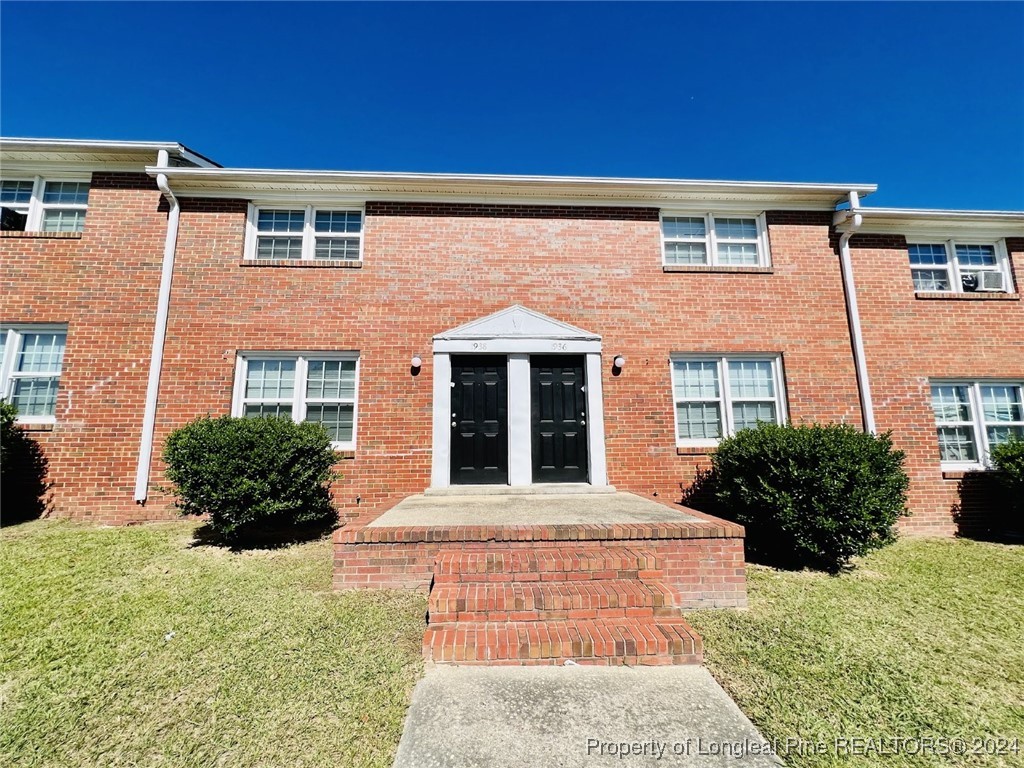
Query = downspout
x=156 y=356
x=854 y=220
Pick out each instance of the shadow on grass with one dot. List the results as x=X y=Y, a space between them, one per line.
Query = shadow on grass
x=24 y=489
x=986 y=510
x=265 y=535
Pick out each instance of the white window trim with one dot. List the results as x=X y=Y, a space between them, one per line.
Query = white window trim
x=724 y=398
x=299 y=399
x=710 y=238
x=953 y=268
x=36 y=209
x=7 y=376
x=309 y=234
x=977 y=423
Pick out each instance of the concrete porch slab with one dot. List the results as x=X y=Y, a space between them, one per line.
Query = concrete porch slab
x=528 y=510
x=576 y=717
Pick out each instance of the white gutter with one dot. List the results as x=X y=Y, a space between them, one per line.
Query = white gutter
x=854 y=219
x=156 y=357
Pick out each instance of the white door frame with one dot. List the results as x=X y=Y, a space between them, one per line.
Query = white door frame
x=517 y=332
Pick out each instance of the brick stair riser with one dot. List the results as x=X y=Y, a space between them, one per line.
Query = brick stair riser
x=536 y=642
x=523 y=576
x=516 y=601
x=543 y=561
x=552 y=615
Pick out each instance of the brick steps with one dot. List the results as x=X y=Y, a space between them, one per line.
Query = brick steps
x=585 y=641
x=547 y=606
x=540 y=601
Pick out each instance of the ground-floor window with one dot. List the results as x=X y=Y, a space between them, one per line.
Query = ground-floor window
x=318 y=387
x=716 y=396
x=972 y=417
x=31 y=361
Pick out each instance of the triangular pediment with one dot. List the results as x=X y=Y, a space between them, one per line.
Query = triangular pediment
x=517 y=322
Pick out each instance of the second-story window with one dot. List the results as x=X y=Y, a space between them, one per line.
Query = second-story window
x=956 y=266
x=44 y=205
x=304 y=233
x=724 y=240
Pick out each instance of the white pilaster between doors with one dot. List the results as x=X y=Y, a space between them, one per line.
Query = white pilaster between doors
x=520 y=435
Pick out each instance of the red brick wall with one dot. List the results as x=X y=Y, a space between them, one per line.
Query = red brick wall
x=103 y=286
x=910 y=340
x=429 y=268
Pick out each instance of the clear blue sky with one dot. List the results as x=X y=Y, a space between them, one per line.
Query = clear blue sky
x=927 y=100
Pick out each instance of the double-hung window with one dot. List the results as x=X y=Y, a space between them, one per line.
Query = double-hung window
x=719 y=240
x=318 y=387
x=32 y=358
x=716 y=396
x=973 y=417
x=304 y=233
x=959 y=266
x=44 y=205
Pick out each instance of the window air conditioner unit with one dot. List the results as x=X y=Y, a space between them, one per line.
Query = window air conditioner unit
x=990 y=281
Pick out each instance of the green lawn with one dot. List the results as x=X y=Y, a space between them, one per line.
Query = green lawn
x=925 y=638
x=265 y=667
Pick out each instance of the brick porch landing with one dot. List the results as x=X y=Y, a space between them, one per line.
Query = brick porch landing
x=599 y=579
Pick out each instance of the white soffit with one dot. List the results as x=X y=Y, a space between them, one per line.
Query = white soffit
x=935 y=222
x=54 y=155
x=348 y=186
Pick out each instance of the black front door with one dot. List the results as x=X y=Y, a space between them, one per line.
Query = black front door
x=558 y=403
x=479 y=444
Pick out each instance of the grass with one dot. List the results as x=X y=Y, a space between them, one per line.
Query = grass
x=923 y=639
x=137 y=647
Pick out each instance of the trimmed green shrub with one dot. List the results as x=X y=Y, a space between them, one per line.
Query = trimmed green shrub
x=811 y=496
x=23 y=470
x=1008 y=458
x=251 y=473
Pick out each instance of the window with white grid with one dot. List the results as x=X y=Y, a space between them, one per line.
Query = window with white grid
x=45 y=205
x=317 y=387
x=717 y=396
x=304 y=233
x=971 y=418
x=956 y=266
x=727 y=240
x=32 y=359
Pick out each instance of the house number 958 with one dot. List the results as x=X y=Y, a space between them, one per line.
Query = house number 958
x=479 y=345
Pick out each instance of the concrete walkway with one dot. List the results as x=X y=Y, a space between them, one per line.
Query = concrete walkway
x=464 y=717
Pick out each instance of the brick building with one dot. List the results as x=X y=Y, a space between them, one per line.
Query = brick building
x=454 y=329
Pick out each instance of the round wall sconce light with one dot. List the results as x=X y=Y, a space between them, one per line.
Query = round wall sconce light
x=619 y=362
x=416 y=361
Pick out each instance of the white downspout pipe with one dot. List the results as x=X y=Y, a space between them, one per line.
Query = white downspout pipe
x=156 y=357
x=854 y=221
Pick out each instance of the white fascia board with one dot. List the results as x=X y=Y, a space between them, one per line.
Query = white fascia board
x=933 y=222
x=335 y=185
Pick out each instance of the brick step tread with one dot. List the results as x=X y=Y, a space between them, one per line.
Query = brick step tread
x=546 y=564
x=661 y=640
x=540 y=601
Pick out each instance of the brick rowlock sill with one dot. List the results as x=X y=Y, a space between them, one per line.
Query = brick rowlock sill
x=948 y=296
x=310 y=264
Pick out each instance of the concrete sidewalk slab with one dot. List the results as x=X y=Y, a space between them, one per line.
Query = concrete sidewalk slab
x=576 y=716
